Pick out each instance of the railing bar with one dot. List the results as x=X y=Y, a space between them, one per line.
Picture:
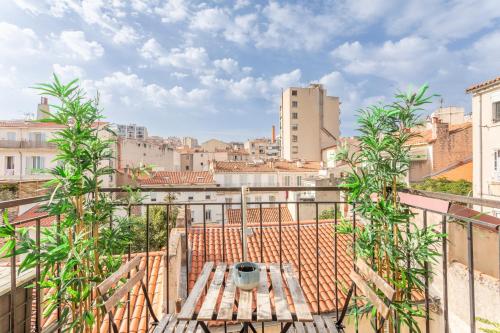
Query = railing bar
x=426 y=283
x=168 y=259
x=336 y=264
x=445 y=275
x=187 y=248
x=297 y=212
x=38 y=302
x=280 y=239
x=13 y=283
x=223 y=237
x=261 y=242
x=354 y=255
x=58 y=268
x=129 y=250
x=204 y=234
x=317 y=258
x=470 y=267
x=147 y=263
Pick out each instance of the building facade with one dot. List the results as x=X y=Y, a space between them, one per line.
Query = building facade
x=309 y=122
x=486 y=139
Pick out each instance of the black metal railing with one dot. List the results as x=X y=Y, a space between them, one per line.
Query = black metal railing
x=424 y=210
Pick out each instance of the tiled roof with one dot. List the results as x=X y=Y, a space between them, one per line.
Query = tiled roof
x=138 y=308
x=425 y=136
x=178 y=178
x=484 y=84
x=270 y=251
x=30 y=217
x=269 y=214
x=462 y=171
x=284 y=166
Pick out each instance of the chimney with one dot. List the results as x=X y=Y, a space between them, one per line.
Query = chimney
x=273 y=136
x=43 y=108
x=439 y=129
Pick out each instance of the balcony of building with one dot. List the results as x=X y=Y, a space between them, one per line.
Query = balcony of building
x=463 y=286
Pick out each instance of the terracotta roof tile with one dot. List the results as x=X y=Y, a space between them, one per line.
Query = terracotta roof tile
x=290 y=254
x=233 y=166
x=28 y=218
x=178 y=178
x=484 y=84
x=269 y=215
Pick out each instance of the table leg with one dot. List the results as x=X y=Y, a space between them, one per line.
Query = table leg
x=246 y=326
x=286 y=327
x=204 y=326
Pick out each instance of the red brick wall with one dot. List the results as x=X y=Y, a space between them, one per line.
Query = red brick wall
x=451 y=148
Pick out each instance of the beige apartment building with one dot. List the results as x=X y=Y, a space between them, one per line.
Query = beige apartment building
x=262 y=149
x=309 y=122
x=486 y=139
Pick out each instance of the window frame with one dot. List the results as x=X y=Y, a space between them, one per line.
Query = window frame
x=496 y=112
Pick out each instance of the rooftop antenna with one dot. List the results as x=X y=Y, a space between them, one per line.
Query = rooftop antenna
x=29 y=116
x=441 y=102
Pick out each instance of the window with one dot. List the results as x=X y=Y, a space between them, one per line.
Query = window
x=153 y=196
x=201 y=163
x=34 y=164
x=243 y=179
x=295 y=115
x=11 y=136
x=496 y=161
x=36 y=137
x=294 y=92
x=295 y=104
x=496 y=112
x=228 y=202
x=9 y=162
x=295 y=138
x=299 y=180
x=207 y=196
x=295 y=149
x=295 y=127
x=187 y=167
x=190 y=197
x=272 y=199
x=258 y=198
x=287 y=180
x=208 y=214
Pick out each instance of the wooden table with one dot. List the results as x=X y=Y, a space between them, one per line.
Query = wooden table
x=238 y=305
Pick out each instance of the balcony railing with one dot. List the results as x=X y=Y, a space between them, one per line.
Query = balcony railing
x=18 y=144
x=324 y=262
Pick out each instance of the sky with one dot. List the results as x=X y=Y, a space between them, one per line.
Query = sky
x=217 y=68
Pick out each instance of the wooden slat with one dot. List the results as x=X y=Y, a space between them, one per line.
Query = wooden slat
x=280 y=301
x=191 y=328
x=181 y=325
x=187 y=310
x=123 y=290
x=162 y=324
x=299 y=327
x=104 y=286
x=245 y=306
x=375 y=278
x=207 y=309
x=299 y=301
x=320 y=324
x=310 y=327
x=171 y=325
x=263 y=298
x=330 y=324
x=370 y=294
x=227 y=302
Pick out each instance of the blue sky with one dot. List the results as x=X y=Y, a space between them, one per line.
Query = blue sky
x=216 y=69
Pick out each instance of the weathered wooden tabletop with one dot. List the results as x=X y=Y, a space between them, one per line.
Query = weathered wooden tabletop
x=239 y=305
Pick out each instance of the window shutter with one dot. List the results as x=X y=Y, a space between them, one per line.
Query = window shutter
x=42 y=162
x=27 y=167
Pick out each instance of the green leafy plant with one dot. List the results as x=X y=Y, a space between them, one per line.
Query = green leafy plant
x=88 y=243
x=493 y=327
x=389 y=240
x=460 y=187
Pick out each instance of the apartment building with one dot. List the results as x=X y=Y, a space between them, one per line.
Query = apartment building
x=309 y=122
x=214 y=144
x=262 y=149
x=132 y=131
x=198 y=159
x=190 y=142
x=151 y=152
x=486 y=139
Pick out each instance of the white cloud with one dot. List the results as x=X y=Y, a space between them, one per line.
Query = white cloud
x=78 y=46
x=483 y=56
x=210 y=19
x=173 y=11
x=285 y=80
x=193 y=58
x=241 y=29
x=228 y=65
x=68 y=72
x=17 y=42
x=133 y=91
x=126 y=35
